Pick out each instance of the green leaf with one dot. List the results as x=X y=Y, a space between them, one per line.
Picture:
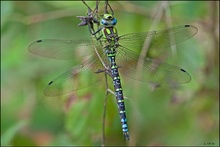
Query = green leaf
x=11 y=132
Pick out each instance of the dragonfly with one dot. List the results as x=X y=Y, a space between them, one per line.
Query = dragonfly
x=113 y=54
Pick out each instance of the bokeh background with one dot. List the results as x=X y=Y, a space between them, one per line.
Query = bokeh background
x=184 y=115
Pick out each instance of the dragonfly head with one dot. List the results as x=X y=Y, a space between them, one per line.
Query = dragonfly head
x=108 y=20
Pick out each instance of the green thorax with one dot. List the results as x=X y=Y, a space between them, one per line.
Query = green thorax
x=110 y=36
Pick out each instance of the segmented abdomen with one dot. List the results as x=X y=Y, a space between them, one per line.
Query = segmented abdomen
x=119 y=95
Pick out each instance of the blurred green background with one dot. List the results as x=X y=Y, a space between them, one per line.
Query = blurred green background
x=185 y=115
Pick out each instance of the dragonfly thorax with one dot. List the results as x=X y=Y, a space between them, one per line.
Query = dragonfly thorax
x=110 y=36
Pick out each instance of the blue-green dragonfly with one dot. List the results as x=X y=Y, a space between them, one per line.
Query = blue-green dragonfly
x=111 y=54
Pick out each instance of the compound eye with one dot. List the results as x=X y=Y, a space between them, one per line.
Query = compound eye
x=104 y=22
x=114 y=21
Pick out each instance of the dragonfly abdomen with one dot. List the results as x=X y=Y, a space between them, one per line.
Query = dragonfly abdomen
x=119 y=95
x=110 y=38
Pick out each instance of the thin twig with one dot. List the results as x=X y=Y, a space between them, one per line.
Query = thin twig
x=127 y=6
x=90 y=22
x=106 y=70
x=159 y=13
x=97 y=15
x=103 y=63
x=104 y=111
x=213 y=23
x=168 y=20
x=41 y=17
x=108 y=6
x=112 y=92
x=86 y=5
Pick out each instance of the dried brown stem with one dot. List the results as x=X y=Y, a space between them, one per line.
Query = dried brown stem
x=158 y=11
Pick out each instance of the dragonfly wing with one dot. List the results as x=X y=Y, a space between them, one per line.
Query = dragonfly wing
x=76 y=78
x=151 y=70
x=62 y=49
x=158 y=39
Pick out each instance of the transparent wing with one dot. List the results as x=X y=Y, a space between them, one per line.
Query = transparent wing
x=76 y=78
x=159 y=39
x=63 y=49
x=152 y=71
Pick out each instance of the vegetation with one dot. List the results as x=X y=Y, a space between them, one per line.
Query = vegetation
x=184 y=115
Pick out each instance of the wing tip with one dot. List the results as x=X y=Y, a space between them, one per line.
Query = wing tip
x=30 y=46
x=182 y=70
x=50 y=83
x=187 y=26
x=189 y=77
x=39 y=40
